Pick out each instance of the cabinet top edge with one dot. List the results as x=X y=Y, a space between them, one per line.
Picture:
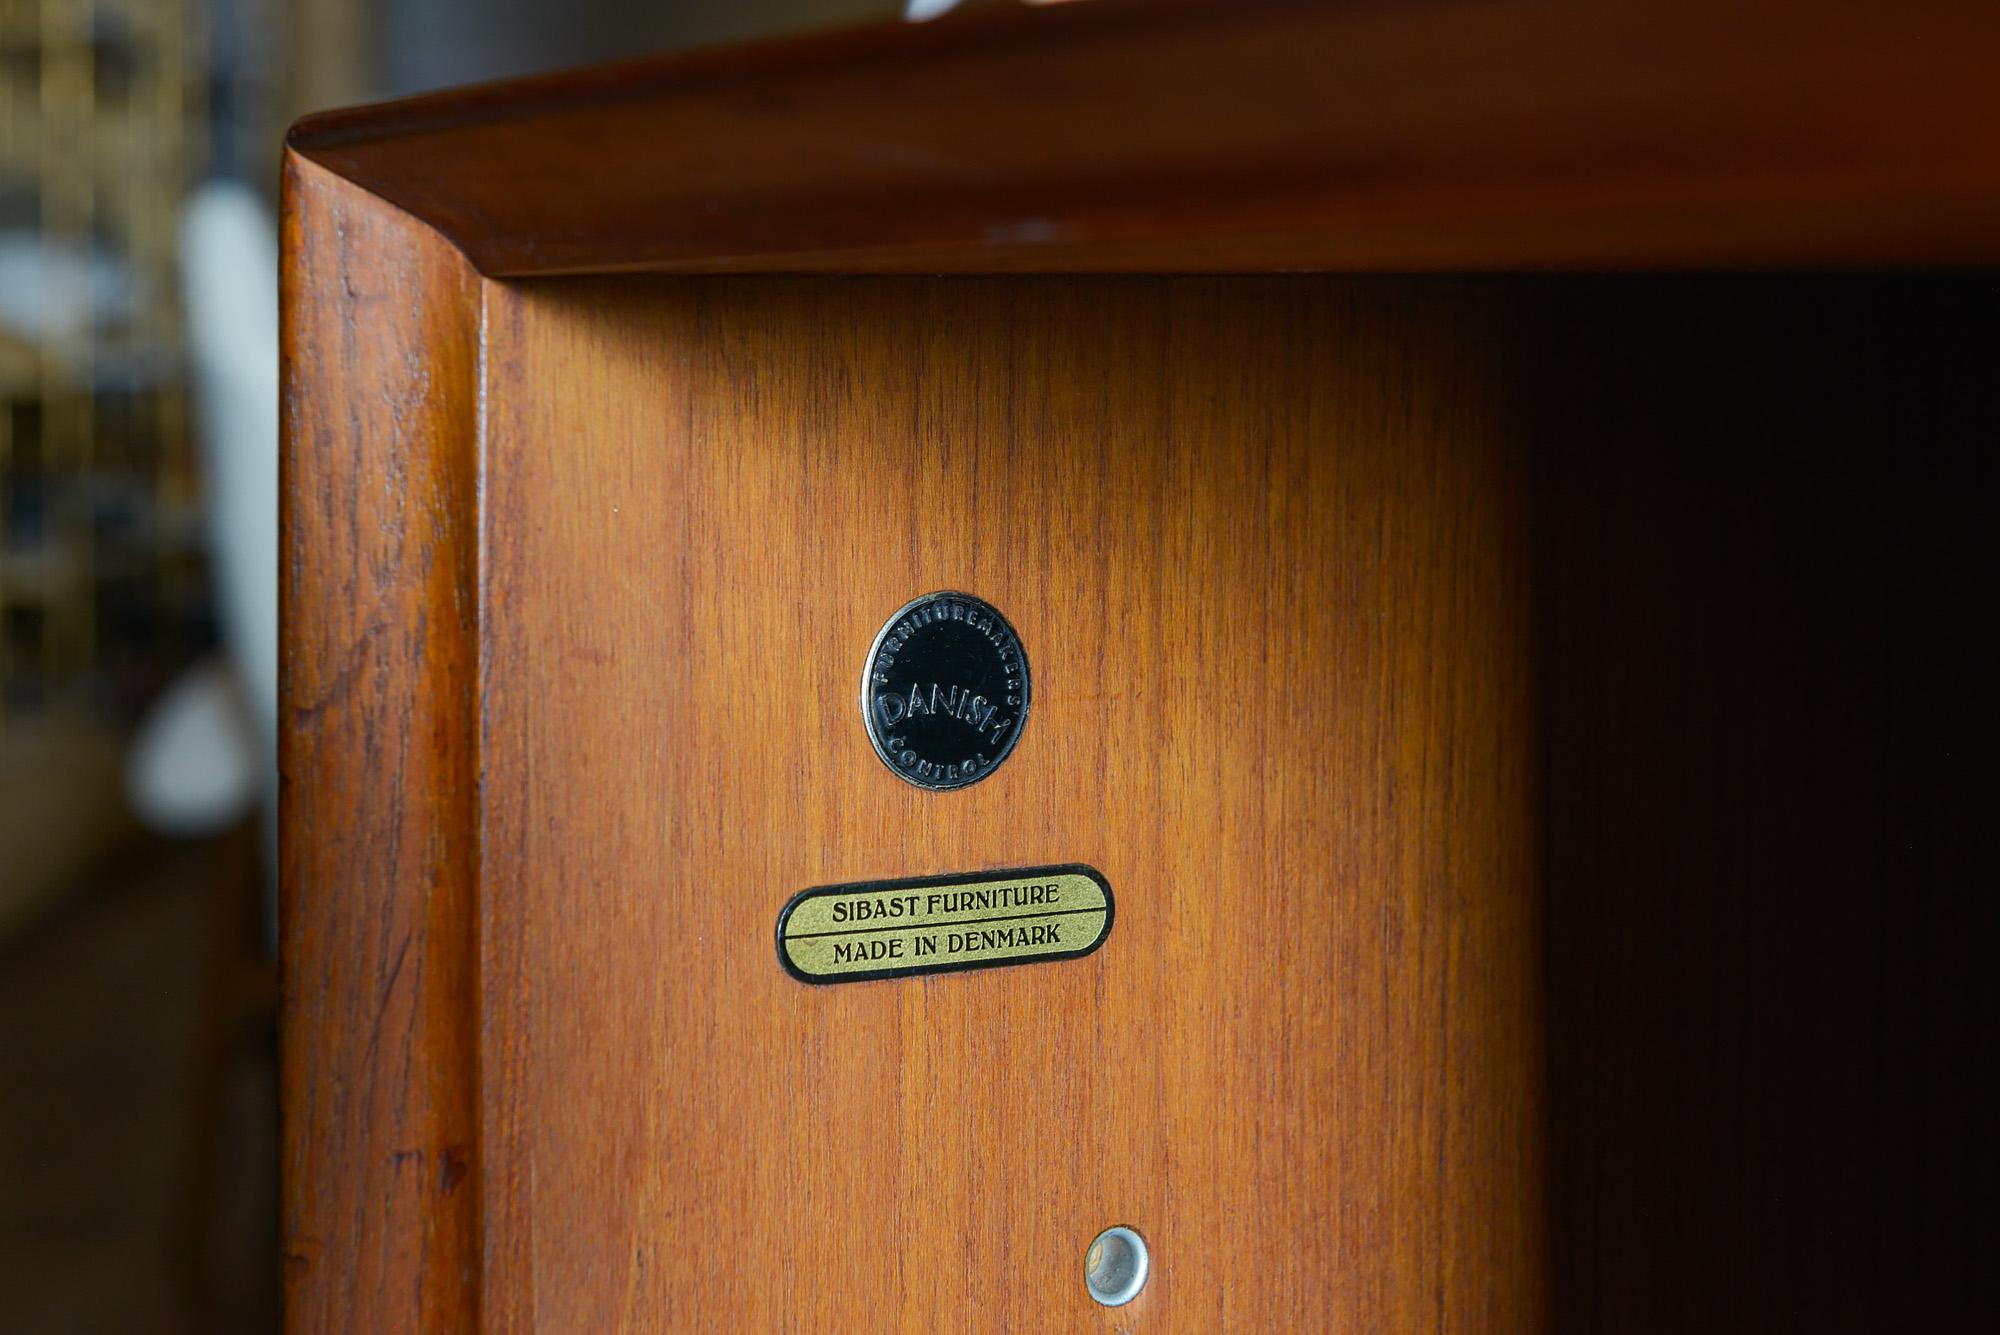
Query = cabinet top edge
x=1225 y=136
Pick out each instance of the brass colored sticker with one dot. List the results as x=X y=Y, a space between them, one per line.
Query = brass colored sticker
x=938 y=924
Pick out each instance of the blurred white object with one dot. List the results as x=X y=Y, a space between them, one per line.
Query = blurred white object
x=193 y=767
x=36 y=273
x=208 y=749
x=921 y=11
x=229 y=268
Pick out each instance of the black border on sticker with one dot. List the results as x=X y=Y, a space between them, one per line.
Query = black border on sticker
x=936 y=882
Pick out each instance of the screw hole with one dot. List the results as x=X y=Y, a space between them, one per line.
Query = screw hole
x=1114 y=1269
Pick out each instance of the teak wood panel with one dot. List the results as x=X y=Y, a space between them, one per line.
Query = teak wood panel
x=1263 y=542
x=378 y=757
x=1235 y=135
x=1714 y=757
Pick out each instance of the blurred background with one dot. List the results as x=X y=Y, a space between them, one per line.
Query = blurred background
x=139 y=151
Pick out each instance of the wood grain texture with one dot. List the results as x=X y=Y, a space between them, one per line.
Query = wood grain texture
x=1264 y=542
x=1233 y=135
x=379 y=759
x=1534 y=730
x=1527 y=725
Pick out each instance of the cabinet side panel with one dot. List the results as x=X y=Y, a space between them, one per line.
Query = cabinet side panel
x=379 y=761
x=1263 y=541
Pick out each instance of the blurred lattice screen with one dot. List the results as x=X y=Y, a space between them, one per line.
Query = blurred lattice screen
x=101 y=112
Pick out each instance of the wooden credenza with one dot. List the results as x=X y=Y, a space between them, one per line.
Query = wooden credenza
x=1534 y=725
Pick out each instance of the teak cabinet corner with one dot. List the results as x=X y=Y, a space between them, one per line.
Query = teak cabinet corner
x=1532 y=725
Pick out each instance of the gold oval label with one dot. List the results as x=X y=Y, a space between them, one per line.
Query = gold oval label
x=938 y=924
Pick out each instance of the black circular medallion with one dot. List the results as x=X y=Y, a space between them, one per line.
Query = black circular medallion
x=945 y=692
